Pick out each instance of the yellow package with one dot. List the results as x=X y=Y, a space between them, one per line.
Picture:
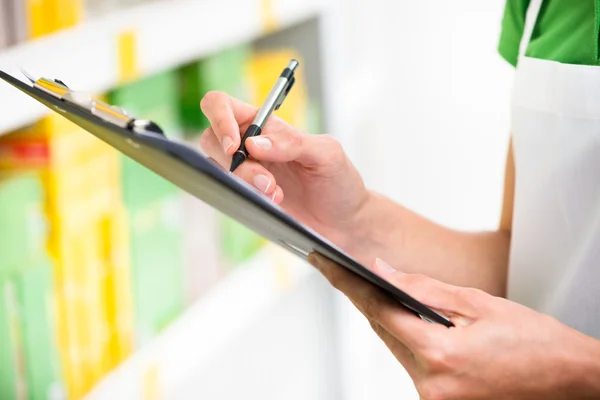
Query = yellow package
x=265 y=65
x=120 y=305
x=89 y=273
x=68 y=303
x=39 y=15
x=67 y=13
x=68 y=348
x=77 y=268
x=66 y=225
x=103 y=182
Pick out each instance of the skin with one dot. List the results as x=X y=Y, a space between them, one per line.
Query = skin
x=460 y=274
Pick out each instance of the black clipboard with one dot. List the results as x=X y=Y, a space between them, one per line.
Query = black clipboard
x=197 y=174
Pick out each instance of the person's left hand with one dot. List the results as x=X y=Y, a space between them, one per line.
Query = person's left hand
x=497 y=350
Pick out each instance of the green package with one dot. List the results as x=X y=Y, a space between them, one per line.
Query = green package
x=22 y=222
x=13 y=384
x=34 y=291
x=158 y=265
x=153 y=208
x=155 y=98
x=224 y=71
x=238 y=243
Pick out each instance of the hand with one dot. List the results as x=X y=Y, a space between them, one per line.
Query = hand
x=309 y=175
x=497 y=350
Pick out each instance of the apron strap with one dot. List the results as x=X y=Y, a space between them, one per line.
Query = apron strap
x=533 y=11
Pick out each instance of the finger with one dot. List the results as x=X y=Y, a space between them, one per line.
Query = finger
x=258 y=176
x=398 y=349
x=212 y=147
x=440 y=296
x=251 y=171
x=225 y=116
x=289 y=144
x=377 y=306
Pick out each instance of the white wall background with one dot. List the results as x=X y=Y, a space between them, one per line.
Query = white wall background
x=436 y=134
x=425 y=115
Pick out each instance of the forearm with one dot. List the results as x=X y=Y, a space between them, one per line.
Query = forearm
x=579 y=369
x=417 y=245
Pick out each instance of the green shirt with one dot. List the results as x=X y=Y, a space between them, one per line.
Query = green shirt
x=566 y=31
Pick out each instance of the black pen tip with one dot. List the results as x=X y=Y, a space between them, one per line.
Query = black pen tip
x=238 y=159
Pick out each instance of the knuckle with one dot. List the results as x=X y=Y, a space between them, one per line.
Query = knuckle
x=205 y=139
x=472 y=295
x=333 y=144
x=296 y=140
x=437 y=359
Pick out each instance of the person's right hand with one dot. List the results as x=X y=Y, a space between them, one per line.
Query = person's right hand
x=309 y=175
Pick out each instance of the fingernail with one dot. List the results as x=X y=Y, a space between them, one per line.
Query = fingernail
x=313 y=259
x=227 y=143
x=263 y=143
x=262 y=183
x=274 y=195
x=384 y=266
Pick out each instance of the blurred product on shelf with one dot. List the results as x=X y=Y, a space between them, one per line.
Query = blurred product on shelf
x=80 y=176
x=98 y=254
x=117 y=286
x=27 y=360
x=46 y=16
x=95 y=8
x=154 y=209
x=4 y=27
x=16 y=23
x=238 y=243
x=202 y=255
x=264 y=67
x=226 y=71
x=13 y=384
x=35 y=299
x=22 y=226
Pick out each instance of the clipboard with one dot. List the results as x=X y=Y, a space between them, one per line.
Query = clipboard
x=202 y=177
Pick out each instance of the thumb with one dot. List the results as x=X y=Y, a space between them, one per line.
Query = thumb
x=288 y=145
x=457 y=303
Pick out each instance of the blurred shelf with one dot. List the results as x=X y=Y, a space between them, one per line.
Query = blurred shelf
x=167 y=33
x=207 y=327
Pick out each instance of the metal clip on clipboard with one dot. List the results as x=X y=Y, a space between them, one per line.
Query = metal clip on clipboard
x=112 y=114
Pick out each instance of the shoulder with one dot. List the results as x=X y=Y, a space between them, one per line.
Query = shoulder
x=565 y=31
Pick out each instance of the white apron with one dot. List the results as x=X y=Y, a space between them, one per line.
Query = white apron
x=555 y=250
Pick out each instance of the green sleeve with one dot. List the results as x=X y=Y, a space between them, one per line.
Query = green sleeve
x=513 y=25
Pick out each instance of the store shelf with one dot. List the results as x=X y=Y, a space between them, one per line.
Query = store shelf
x=167 y=34
x=207 y=327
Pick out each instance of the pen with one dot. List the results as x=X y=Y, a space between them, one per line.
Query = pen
x=280 y=90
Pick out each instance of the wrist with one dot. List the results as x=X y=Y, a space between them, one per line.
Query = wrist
x=372 y=223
